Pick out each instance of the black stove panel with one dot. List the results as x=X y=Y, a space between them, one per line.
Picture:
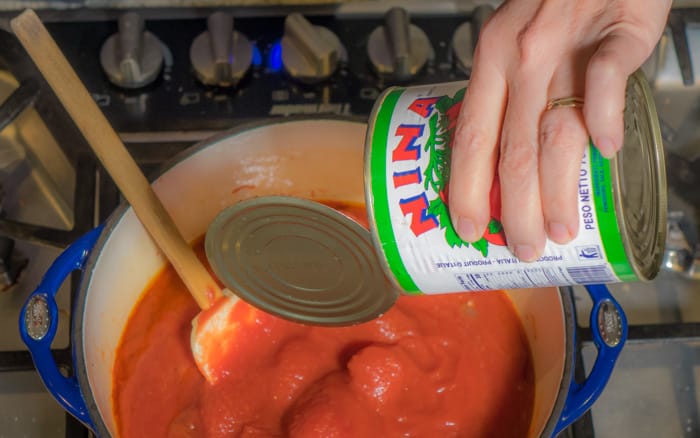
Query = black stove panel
x=178 y=101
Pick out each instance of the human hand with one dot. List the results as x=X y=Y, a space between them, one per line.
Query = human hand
x=529 y=53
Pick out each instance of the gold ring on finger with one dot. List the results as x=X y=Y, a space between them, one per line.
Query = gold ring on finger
x=565 y=102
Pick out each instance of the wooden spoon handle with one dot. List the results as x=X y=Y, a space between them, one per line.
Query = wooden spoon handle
x=116 y=159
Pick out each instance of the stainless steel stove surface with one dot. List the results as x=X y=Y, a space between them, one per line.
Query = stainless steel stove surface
x=53 y=190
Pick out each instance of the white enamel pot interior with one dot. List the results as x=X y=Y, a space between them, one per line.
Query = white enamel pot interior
x=315 y=158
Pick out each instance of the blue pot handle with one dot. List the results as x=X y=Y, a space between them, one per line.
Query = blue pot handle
x=39 y=320
x=609 y=327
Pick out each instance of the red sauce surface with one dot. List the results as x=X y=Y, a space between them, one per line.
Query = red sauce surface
x=454 y=365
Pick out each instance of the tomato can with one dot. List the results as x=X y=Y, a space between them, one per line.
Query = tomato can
x=622 y=202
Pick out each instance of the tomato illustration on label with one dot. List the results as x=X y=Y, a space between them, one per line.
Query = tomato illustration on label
x=494 y=231
x=442 y=125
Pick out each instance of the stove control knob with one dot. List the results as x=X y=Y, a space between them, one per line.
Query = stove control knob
x=466 y=36
x=221 y=55
x=398 y=49
x=310 y=53
x=132 y=57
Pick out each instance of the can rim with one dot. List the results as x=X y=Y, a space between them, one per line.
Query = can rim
x=646 y=271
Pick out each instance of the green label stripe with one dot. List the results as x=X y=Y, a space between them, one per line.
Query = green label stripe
x=380 y=203
x=607 y=218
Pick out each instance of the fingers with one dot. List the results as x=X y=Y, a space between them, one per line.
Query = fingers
x=617 y=57
x=475 y=151
x=529 y=73
x=518 y=169
x=563 y=138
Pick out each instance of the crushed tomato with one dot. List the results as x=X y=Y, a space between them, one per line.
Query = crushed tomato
x=453 y=365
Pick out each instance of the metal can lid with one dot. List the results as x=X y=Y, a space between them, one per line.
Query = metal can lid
x=640 y=175
x=300 y=260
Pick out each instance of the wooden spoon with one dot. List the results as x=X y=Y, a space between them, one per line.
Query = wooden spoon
x=210 y=327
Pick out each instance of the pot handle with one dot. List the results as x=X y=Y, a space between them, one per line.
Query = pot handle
x=609 y=328
x=38 y=323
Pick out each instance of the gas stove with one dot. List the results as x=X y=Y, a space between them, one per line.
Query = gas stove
x=53 y=190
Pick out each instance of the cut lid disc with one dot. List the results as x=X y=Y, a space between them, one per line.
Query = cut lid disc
x=300 y=260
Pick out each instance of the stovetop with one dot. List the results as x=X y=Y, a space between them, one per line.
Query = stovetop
x=54 y=190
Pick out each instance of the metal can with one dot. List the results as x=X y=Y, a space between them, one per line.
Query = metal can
x=622 y=202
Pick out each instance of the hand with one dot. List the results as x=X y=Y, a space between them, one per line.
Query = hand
x=530 y=52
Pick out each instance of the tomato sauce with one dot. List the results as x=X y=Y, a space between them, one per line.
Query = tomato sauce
x=453 y=365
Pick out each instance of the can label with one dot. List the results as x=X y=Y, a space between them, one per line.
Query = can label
x=408 y=164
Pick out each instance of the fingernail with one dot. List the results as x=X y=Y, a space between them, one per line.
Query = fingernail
x=558 y=232
x=466 y=230
x=525 y=253
x=606 y=147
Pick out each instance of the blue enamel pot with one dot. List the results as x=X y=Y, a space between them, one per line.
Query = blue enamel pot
x=117 y=260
